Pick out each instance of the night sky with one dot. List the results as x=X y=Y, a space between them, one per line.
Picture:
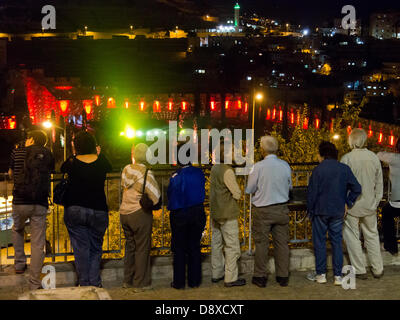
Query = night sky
x=312 y=11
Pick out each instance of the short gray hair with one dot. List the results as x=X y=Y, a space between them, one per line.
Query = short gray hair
x=139 y=152
x=269 y=144
x=357 y=138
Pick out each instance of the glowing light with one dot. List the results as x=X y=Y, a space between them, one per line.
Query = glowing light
x=349 y=130
x=370 y=132
x=391 y=139
x=336 y=137
x=156 y=106
x=280 y=115
x=246 y=107
x=239 y=105
x=47 y=124
x=259 y=96
x=12 y=124
x=170 y=105
x=97 y=100
x=227 y=104
x=130 y=133
x=292 y=118
x=268 y=114
x=274 y=114
x=142 y=105
x=380 y=138
x=122 y=133
x=305 y=123
x=126 y=104
x=184 y=104
x=63 y=88
x=212 y=105
x=111 y=103
x=139 y=133
x=64 y=104
x=88 y=106
x=317 y=123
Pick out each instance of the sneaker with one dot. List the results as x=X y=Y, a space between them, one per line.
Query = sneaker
x=338 y=281
x=239 y=282
x=259 y=281
x=319 y=278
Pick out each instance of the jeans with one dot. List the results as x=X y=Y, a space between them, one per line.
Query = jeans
x=37 y=215
x=86 y=228
x=334 y=226
x=389 y=232
x=187 y=226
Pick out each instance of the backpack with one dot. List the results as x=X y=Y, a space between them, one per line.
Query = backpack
x=33 y=182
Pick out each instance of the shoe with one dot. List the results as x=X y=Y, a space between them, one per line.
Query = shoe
x=283 y=281
x=259 y=281
x=362 y=276
x=126 y=285
x=215 y=280
x=21 y=271
x=138 y=290
x=176 y=287
x=319 y=278
x=239 y=282
x=338 y=281
x=377 y=276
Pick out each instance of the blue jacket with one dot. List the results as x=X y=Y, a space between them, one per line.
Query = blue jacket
x=331 y=186
x=186 y=188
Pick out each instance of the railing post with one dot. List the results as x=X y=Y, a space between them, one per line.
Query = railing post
x=250 y=252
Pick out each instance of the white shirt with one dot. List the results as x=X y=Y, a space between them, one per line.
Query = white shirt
x=393 y=160
x=367 y=169
x=270 y=180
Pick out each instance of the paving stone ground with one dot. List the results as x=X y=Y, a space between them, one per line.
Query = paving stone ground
x=386 y=288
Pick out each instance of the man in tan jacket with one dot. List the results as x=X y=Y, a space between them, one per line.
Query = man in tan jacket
x=368 y=171
x=225 y=246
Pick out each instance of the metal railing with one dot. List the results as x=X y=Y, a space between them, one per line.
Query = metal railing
x=113 y=247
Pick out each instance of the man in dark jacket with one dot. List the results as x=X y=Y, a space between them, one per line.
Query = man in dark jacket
x=30 y=167
x=332 y=186
x=186 y=194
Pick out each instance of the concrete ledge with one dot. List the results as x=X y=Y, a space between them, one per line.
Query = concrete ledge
x=112 y=270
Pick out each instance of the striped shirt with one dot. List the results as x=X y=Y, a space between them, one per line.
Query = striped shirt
x=132 y=180
x=17 y=162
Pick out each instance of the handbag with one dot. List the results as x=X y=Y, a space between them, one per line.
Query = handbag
x=60 y=191
x=145 y=202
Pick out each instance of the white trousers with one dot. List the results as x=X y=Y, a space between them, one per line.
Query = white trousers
x=225 y=250
x=351 y=235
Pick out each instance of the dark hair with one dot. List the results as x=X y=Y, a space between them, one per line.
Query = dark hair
x=328 y=150
x=84 y=143
x=398 y=145
x=39 y=137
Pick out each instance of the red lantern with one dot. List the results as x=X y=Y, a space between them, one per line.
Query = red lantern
x=370 y=132
x=280 y=115
x=97 y=100
x=268 y=114
x=305 y=123
x=317 y=123
x=239 y=105
x=212 y=105
x=246 y=107
x=12 y=124
x=111 y=102
x=64 y=105
x=126 y=104
x=184 y=105
x=156 y=106
x=170 y=105
x=142 y=105
x=227 y=104
x=88 y=106
x=380 y=138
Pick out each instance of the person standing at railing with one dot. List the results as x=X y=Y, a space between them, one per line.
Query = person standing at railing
x=224 y=211
x=86 y=210
x=30 y=167
x=332 y=185
x=392 y=207
x=136 y=222
x=270 y=180
x=368 y=171
x=186 y=194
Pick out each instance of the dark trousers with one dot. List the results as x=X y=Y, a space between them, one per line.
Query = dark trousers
x=334 y=226
x=389 y=232
x=86 y=228
x=137 y=228
x=274 y=220
x=187 y=226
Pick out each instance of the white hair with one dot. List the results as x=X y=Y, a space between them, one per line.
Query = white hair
x=357 y=138
x=269 y=144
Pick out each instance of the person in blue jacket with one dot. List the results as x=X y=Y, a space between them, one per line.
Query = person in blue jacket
x=332 y=186
x=186 y=194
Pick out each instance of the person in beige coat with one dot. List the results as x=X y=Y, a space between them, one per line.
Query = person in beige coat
x=368 y=171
